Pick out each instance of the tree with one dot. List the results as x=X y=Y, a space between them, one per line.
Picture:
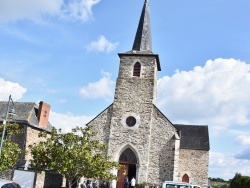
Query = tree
x=73 y=155
x=10 y=149
x=240 y=181
x=221 y=186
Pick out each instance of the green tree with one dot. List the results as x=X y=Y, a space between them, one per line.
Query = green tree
x=10 y=149
x=221 y=186
x=74 y=155
x=240 y=181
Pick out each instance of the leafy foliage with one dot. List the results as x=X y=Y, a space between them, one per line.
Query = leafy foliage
x=73 y=155
x=10 y=149
x=240 y=181
x=217 y=179
x=221 y=186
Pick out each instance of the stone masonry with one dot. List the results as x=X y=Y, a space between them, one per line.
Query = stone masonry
x=163 y=150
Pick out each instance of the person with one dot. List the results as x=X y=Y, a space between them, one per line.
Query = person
x=94 y=184
x=83 y=185
x=126 y=183
x=89 y=184
x=133 y=182
x=107 y=185
x=103 y=184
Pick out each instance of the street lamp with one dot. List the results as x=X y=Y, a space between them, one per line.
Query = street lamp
x=10 y=111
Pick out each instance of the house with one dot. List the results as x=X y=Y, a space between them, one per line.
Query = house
x=33 y=119
x=138 y=135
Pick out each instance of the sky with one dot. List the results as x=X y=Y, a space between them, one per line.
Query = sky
x=64 y=52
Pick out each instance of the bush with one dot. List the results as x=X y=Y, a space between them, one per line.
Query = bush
x=141 y=185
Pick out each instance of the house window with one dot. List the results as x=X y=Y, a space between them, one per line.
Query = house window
x=185 y=178
x=137 y=69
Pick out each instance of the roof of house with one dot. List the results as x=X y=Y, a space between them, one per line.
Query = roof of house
x=25 y=112
x=193 y=136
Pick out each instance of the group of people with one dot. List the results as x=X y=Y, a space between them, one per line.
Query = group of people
x=94 y=184
x=131 y=183
x=89 y=184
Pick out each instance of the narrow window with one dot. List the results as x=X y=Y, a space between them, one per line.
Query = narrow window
x=137 y=69
x=185 y=178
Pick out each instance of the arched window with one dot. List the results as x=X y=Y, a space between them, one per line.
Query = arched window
x=185 y=178
x=137 y=69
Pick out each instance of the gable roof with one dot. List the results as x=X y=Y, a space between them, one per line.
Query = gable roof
x=193 y=137
x=110 y=106
x=26 y=112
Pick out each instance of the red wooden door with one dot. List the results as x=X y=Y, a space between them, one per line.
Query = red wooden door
x=185 y=178
x=122 y=173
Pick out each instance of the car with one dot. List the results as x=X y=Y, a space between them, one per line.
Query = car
x=176 y=184
x=195 y=186
x=8 y=184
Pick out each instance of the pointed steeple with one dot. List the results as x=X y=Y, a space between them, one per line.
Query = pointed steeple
x=143 y=40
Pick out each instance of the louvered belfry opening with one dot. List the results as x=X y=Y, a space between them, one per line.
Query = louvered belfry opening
x=137 y=69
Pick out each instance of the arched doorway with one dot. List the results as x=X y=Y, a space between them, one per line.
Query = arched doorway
x=128 y=160
x=185 y=178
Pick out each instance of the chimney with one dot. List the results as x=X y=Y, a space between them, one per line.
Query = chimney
x=43 y=114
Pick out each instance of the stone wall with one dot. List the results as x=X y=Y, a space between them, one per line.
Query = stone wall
x=31 y=138
x=136 y=89
x=101 y=125
x=153 y=138
x=162 y=149
x=194 y=163
x=134 y=96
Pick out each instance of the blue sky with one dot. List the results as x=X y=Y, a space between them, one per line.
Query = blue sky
x=65 y=53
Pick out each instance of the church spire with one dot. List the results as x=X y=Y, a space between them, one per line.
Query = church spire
x=142 y=40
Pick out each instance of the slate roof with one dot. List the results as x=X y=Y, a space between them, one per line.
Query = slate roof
x=26 y=112
x=193 y=136
x=143 y=40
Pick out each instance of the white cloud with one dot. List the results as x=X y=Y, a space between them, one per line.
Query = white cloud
x=216 y=94
x=104 y=88
x=68 y=121
x=14 y=10
x=225 y=166
x=244 y=139
x=10 y=88
x=79 y=9
x=101 y=45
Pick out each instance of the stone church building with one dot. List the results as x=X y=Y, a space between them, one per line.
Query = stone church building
x=139 y=136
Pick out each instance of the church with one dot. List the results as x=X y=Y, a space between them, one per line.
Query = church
x=139 y=136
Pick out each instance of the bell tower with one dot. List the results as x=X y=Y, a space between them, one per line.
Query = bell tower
x=134 y=100
x=137 y=77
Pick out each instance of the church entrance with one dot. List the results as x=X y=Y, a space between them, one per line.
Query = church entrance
x=128 y=161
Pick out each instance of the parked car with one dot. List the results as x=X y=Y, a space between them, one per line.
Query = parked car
x=195 y=186
x=8 y=184
x=175 y=184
